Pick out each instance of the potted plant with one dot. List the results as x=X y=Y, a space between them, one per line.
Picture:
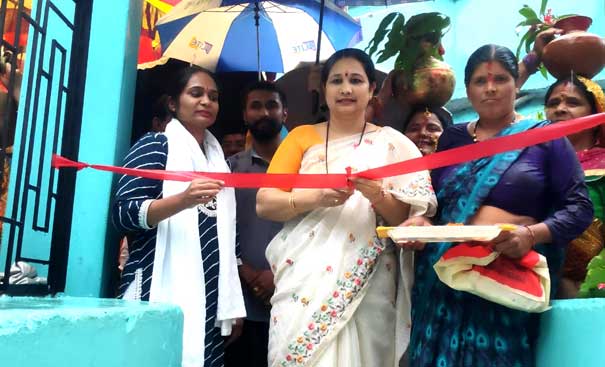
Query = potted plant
x=421 y=75
x=576 y=49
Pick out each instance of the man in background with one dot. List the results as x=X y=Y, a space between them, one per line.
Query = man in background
x=264 y=113
x=233 y=142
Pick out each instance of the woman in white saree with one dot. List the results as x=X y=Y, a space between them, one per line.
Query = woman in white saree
x=342 y=295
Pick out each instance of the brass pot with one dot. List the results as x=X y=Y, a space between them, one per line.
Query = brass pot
x=577 y=50
x=432 y=84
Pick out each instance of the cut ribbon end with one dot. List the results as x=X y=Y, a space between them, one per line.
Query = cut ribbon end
x=61 y=162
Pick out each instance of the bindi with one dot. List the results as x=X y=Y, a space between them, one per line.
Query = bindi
x=490 y=74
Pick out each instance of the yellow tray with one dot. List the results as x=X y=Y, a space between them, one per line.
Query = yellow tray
x=451 y=233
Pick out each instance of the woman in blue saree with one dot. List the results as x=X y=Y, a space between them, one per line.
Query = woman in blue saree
x=539 y=188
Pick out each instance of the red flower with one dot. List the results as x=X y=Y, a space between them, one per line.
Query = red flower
x=288 y=358
x=335 y=294
x=333 y=313
x=359 y=262
x=601 y=286
x=548 y=17
x=357 y=281
x=329 y=268
x=309 y=346
x=311 y=326
x=289 y=261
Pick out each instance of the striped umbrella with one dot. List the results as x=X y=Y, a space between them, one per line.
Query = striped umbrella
x=254 y=36
x=373 y=2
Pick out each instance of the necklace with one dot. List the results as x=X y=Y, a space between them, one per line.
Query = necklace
x=474 y=134
x=475 y=131
x=328 y=135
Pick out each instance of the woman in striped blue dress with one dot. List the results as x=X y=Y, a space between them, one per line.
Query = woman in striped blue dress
x=182 y=234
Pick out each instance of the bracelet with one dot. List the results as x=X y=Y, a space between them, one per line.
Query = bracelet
x=531 y=62
x=291 y=202
x=532 y=234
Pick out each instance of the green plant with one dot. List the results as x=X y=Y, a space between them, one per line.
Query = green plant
x=594 y=284
x=411 y=41
x=536 y=23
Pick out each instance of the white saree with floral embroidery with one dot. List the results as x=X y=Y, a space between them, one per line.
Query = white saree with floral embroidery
x=342 y=296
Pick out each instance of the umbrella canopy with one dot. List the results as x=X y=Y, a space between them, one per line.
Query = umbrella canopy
x=225 y=38
x=373 y=2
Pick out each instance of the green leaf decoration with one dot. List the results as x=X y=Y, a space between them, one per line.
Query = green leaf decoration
x=543 y=71
x=543 y=7
x=594 y=277
x=523 y=39
x=381 y=32
x=426 y=23
x=529 y=22
x=529 y=41
x=565 y=16
x=409 y=41
x=395 y=40
x=528 y=12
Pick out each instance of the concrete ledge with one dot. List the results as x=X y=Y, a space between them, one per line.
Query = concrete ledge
x=91 y=332
x=572 y=333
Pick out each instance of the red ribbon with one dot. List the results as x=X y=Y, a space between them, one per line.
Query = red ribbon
x=431 y=161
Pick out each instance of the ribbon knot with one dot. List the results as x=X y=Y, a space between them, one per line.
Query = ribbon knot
x=61 y=162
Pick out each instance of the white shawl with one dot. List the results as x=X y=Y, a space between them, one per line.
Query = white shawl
x=178 y=274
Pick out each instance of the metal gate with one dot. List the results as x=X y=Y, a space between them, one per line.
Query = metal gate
x=44 y=52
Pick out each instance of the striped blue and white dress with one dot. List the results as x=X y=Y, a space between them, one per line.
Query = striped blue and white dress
x=150 y=152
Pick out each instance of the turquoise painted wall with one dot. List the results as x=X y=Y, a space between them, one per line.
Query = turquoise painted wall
x=68 y=331
x=478 y=22
x=105 y=138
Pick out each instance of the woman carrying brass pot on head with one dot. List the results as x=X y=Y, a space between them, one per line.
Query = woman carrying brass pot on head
x=425 y=125
x=569 y=98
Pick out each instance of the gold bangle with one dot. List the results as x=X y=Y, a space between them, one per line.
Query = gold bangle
x=532 y=234
x=291 y=202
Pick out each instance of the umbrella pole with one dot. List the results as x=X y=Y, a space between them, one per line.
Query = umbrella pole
x=315 y=105
x=257 y=24
x=322 y=5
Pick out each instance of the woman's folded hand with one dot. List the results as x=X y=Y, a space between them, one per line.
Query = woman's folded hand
x=514 y=244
